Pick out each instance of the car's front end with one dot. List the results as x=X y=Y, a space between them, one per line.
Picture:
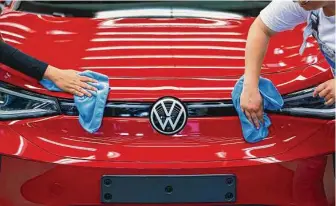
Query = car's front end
x=160 y=59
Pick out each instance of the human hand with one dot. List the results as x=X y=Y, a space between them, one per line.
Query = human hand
x=70 y=81
x=251 y=105
x=326 y=90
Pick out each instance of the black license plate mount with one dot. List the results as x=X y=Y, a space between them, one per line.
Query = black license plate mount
x=168 y=188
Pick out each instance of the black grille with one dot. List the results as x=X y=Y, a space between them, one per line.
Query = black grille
x=142 y=109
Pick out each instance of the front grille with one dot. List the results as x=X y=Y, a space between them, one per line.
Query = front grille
x=142 y=109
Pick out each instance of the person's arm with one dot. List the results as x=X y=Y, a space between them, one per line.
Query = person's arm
x=21 y=62
x=278 y=16
x=251 y=101
x=255 y=52
x=67 y=80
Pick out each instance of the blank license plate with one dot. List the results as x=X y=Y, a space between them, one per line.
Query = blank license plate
x=168 y=189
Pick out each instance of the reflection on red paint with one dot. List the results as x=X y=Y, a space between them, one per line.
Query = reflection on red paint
x=308 y=186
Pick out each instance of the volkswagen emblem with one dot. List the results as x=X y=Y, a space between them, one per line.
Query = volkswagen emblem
x=168 y=116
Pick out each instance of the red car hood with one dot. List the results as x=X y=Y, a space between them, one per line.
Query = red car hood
x=146 y=58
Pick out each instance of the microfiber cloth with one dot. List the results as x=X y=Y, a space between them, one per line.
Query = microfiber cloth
x=272 y=100
x=91 y=109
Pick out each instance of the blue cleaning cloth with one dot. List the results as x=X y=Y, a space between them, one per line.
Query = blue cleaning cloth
x=91 y=109
x=272 y=100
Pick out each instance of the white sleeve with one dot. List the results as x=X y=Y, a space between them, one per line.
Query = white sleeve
x=281 y=15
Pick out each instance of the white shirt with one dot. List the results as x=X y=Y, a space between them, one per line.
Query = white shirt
x=281 y=15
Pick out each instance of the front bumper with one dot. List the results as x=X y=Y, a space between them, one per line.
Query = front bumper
x=301 y=175
x=302 y=182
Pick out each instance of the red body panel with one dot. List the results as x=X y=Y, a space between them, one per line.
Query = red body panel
x=192 y=59
x=312 y=142
x=279 y=179
x=144 y=59
x=134 y=140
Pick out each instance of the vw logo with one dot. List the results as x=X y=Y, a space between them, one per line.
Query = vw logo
x=168 y=116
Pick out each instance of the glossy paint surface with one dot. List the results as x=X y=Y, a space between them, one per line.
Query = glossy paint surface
x=300 y=182
x=282 y=169
x=146 y=57
x=134 y=140
x=132 y=150
x=189 y=58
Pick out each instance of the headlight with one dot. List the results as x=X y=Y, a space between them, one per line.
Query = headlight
x=303 y=103
x=17 y=104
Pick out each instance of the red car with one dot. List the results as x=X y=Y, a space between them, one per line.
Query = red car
x=177 y=60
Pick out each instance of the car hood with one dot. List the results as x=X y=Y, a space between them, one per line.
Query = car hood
x=146 y=57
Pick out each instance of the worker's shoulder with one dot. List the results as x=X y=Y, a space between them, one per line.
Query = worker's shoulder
x=281 y=15
x=286 y=6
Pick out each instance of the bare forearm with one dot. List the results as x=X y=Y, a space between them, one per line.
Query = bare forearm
x=51 y=73
x=256 y=47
